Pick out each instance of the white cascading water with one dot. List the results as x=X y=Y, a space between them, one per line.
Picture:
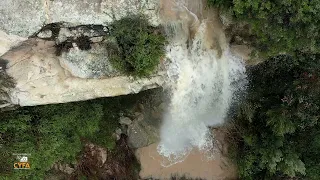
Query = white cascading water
x=201 y=83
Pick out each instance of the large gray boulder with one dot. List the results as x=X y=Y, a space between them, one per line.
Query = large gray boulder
x=93 y=63
x=145 y=126
x=42 y=78
x=141 y=133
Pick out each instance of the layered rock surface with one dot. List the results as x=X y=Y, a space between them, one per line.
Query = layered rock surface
x=51 y=66
x=25 y=17
x=41 y=78
x=44 y=75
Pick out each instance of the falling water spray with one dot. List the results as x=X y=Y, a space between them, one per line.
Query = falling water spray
x=200 y=78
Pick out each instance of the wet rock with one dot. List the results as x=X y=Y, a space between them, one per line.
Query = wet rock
x=226 y=18
x=162 y=106
x=141 y=133
x=125 y=121
x=156 y=114
x=157 y=111
x=138 y=137
x=242 y=51
x=146 y=120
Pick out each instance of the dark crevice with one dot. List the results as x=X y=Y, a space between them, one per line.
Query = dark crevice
x=63 y=47
x=82 y=39
x=3 y=64
x=53 y=27
x=83 y=42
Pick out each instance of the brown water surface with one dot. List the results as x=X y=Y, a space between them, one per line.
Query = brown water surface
x=196 y=165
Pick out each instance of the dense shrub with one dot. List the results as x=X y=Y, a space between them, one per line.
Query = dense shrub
x=277 y=128
x=281 y=26
x=140 y=45
x=49 y=133
x=56 y=133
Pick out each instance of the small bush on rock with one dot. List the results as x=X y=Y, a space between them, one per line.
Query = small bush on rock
x=140 y=46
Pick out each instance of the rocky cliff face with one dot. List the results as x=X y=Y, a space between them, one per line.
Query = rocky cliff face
x=55 y=49
x=42 y=78
x=64 y=58
x=25 y=17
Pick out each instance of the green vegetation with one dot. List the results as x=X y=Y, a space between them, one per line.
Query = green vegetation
x=276 y=132
x=56 y=133
x=139 y=45
x=6 y=82
x=280 y=26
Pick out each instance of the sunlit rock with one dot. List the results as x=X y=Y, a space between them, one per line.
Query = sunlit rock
x=25 y=17
x=41 y=78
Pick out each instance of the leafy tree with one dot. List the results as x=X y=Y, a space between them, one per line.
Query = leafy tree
x=57 y=133
x=140 y=46
x=280 y=26
x=278 y=124
x=49 y=133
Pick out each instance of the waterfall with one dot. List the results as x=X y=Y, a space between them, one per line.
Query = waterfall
x=201 y=77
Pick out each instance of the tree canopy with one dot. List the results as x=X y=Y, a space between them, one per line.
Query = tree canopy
x=57 y=133
x=280 y=26
x=139 y=45
x=278 y=125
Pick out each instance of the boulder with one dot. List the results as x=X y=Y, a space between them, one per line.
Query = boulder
x=142 y=132
x=43 y=78
x=99 y=153
x=65 y=168
x=8 y=41
x=65 y=58
x=242 y=51
x=45 y=34
x=92 y=63
x=125 y=121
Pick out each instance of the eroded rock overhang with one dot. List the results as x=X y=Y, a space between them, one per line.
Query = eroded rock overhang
x=39 y=41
